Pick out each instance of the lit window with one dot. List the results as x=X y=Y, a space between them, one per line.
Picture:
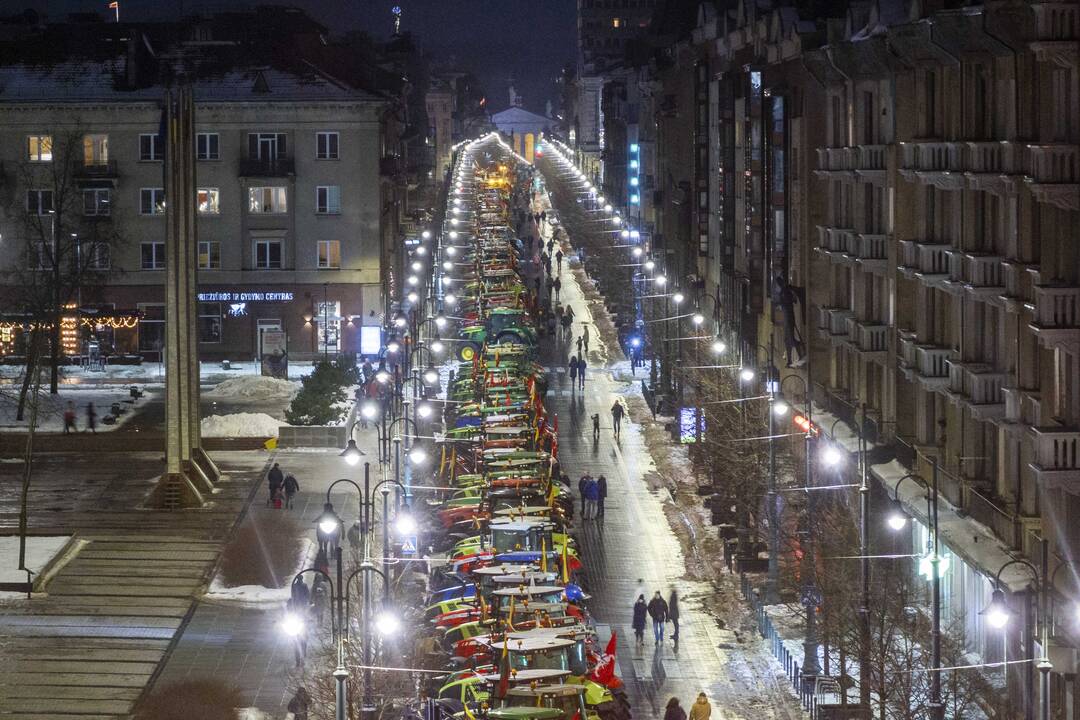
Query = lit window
x=326 y=146
x=328 y=199
x=95 y=150
x=616 y=22
x=633 y=182
x=633 y=147
x=39 y=148
x=208 y=200
x=633 y=164
x=635 y=199
x=329 y=254
x=151 y=147
x=267 y=200
x=209 y=255
x=152 y=201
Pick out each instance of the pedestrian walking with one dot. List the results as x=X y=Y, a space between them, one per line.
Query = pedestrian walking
x=567 y=320
x=69 y=418
x=353 y=535
x=658 y=612
x=601 y=493
x=592 y=496
x=275 y=479
x=581 y=365
x=585 y=336
x=292 y=486
x=536 y=281
x=616 y=417
x=550 y=244
x=299 y=704
x=573 y=373
x=298 y=605
x=596 y=427
x=558 y=260
x=558 y=286
x=673 y=616
x=581 y=491
x=701 y=709
x=319 y=599
x=550 y=285
x=580 y=343
x=327 y=540
x=551 y=326
x=91 y=418
x=674 y=711
x=638 y=623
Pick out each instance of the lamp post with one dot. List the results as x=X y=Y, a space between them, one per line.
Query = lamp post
x=897 y=520
x=998 y=615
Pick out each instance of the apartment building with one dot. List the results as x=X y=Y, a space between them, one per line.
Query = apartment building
x=909 y=172
x=289 y=200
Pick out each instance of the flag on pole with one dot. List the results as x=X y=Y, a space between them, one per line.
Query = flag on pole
x=543 y=556
x=565 y=561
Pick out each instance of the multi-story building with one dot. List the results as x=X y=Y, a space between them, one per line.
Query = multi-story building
x=440 y=113
x=289 y=200
x=911 y=173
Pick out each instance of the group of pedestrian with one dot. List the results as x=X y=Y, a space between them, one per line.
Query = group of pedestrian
x=661 y=612
x=577 y=372
x=282 y=488
x=593 y=491
x=69 y=418
x=583 y=340
x=700 y=710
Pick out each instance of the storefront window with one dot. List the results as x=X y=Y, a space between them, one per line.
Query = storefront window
x=328 y=317
x=152 y=328
x=209 y=322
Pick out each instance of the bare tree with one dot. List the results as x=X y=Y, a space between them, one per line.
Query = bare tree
x=63 y=207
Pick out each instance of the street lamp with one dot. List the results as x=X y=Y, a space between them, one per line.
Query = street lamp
x=747 y=374
x=897 y=520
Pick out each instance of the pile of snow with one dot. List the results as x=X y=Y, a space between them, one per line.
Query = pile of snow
x=40 y=551
x=240 y=425
x=254 y=387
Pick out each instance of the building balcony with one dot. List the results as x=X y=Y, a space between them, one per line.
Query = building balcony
x=1057 y=31
x=871 y=251
x=993 y=166
x=99 y=171
x=940 y=164
x=1023 y=407
x=1018 y=283
x=870 y=163
x=267 y=167
x=907 y=359
x=927 y=261
x=832 y=323
x=869 y=338
x=836 y=162
x=982 y=275
x=834 y=242
x=1057 y=456
x=978 y=386
x=1053 y=174
x=932 y=366
x=1057 y=316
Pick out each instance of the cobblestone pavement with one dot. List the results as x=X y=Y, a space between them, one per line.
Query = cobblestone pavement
x=633 y=550
x=89 y=646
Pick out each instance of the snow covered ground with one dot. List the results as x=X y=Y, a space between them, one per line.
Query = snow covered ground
x=240 y=425
x=50 y=416
x=39 y=552
x=152 y=372
x=253 y=387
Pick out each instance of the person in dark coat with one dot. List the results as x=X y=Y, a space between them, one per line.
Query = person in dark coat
x=592 y=496
x=557 y=286
x=601 y=488
x=573 y=373
x=674 y=711
x=581 y=365
x=292 y=486
x=616 y=416
x=91 y=418
x=558 y=260
x=299 y=704
x=581 y=485
x=658 y=612
x=275 y=479
x=640 y=611
x=673 y=614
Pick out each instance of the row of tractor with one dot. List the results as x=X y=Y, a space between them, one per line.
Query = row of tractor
x=506 y=607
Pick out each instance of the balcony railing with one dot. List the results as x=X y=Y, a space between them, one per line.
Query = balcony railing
x=870 y=247
x=908 y=349
x=106 y=170
x=992 y=513
x=868 y=336
x=836 y=159
x=1057 y=306
x=932 y=156
x=871 y=157
x=1057 y=454
x=984 y=271
x=978 y=383
x=925 y=258
x=838 y=319
x=267 y=167
x=1022 y=406
x=1018 y=281
x=1056 y=21
x=993 y=158
x=932 y=361
x=834 y=240
x=1054 y=164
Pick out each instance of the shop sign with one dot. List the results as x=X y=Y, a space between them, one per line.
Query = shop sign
x=245 y=297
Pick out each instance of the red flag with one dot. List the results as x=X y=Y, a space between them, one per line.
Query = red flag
x=604 y=672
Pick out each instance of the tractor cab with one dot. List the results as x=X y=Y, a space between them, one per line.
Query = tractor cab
x=509 y=533
x=521 y=594
x=569 y=700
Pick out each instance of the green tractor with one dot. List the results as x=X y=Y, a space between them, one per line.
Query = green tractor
x=504 y=326
x=569 y=700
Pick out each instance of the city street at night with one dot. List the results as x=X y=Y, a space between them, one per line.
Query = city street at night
x=571 y=360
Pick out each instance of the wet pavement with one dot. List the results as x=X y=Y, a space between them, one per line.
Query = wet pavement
x=633 y=550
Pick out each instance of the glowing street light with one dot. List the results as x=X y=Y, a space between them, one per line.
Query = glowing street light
x=831 y=456
x=719 y=347
x=746 y=374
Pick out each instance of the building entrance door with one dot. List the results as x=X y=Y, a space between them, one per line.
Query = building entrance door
x=261 y=325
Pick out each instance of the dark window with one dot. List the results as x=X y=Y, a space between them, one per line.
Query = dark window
x=210 y=322
x=206 y=146
x=151 y=147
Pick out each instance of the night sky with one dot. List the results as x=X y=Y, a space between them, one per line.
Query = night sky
x=528 y=39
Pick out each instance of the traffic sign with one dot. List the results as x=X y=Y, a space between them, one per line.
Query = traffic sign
x=408 y=545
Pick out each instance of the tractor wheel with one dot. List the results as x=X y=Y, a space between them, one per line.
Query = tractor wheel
x=468 y=351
